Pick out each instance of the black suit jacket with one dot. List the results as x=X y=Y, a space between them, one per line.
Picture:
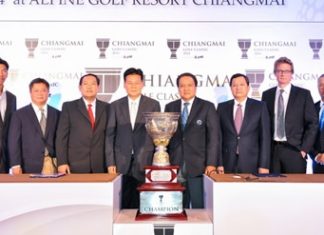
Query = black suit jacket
x=301 y=119
x=121 y=140
x=82 y=148
x=254 y=139
x=199 y=144
x=4 y=128
x=26 y=142
x=318 y=145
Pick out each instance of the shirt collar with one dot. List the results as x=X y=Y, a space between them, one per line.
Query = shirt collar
x=241 y=103
x=137 y=100
x=189 y=101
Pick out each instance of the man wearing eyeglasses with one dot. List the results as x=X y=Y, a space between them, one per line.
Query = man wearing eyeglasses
x=294 y=121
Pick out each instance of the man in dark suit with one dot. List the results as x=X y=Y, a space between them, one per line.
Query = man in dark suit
x=317 y=153
x=29 y=142
x=128 y=146
x=294 y=121
x=7 y=107
x=195 y=145
x=80 y=142
x=245 y=128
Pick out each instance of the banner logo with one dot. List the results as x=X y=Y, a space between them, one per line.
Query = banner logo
x=102 y=44
x=316 y=45
x=173 y=45
x=244 y=45
x=31 y=44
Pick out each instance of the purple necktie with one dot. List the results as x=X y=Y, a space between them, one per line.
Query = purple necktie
x=238 y=118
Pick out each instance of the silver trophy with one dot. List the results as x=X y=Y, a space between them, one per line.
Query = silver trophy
x=161 y=127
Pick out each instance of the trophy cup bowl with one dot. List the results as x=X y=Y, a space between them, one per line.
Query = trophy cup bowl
x=161 y=127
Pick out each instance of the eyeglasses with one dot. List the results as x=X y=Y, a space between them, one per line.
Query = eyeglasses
x=283 y=71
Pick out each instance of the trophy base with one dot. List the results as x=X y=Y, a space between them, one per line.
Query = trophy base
x=179 y=217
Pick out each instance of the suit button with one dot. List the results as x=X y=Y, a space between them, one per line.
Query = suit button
x=238 y=137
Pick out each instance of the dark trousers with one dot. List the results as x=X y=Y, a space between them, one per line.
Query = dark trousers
x=287 y=159
x=130 y=194
x=194 y=192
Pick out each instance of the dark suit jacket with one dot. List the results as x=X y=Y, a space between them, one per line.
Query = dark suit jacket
x=254 y=139
x=26 y=142
x=4 y=128
x=301 y=119
x=199 y=143
x=82 y=148
x=318 y=145
x=121 y=139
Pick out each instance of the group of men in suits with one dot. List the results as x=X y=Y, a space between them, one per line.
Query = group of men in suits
x=90 y=136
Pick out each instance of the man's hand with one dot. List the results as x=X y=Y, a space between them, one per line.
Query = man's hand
x=64 y=169
x=263 y=170
x=112 y=169
x=16 y=170
x=220 y=170
x=210 y=170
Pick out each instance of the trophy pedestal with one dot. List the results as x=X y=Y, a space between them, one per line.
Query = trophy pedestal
x=161 y=195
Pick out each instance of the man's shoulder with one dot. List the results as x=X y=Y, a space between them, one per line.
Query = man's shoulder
x=149 y=99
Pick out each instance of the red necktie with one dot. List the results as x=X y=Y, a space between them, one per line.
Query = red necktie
x=91 y=117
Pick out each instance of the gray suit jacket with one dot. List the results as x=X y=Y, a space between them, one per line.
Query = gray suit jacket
x=79 y=146
x=26 y=142
x=253 y=141
x=4 y=128
x=121 y=140
x=199 y=144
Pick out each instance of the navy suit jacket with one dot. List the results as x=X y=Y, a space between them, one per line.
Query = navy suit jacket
x=4 y=128
x=318 y=145
x=26 y=142
x=199 y=144
x=253 y=141
x=82 y=148
x=301 y=118
x=121 y=140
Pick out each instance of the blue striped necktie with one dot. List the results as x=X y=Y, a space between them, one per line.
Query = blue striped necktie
x=184 y=115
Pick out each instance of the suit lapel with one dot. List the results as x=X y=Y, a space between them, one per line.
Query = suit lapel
x=125 y=111
x=230 y=111
x=290 y=104
x=247 y=115
x=82 y=108
x=139 y=115
x=33 y=118
x=193 y=112
x=100 y=108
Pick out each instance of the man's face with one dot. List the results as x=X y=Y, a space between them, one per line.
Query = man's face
x=320 y=86
x=240 y=88
x=89 y=87
x=3 y=74
x=187 y=88
x=39 y=94
x=283 y=74
x=133 y=85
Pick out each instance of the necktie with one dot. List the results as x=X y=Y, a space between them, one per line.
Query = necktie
x=91 y=117
x=133 y=113
x=321 y=119
x=281 y=116
x=238 y=118
x=184 y=115
x=42 y=123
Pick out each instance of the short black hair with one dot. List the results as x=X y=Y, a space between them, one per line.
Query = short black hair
x=131 y=71
x=89 y=74
x=5 y=63
x=236 y=75
x=38 y=80
x=187 y=75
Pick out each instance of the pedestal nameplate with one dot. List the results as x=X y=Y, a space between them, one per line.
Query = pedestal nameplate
x=166 y=174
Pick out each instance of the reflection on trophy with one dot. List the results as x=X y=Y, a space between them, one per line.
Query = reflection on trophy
x=31 y=44
x=316 y=45
x=161 y=127
x=173 y=45
x=161 y=195
x=244 y=44
x=102 y=44
x=256 y=77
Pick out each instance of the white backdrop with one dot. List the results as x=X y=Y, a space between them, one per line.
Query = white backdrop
x=60 y=40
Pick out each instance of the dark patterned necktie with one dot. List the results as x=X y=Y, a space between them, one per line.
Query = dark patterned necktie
x=281 y=116
x=184 y=115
